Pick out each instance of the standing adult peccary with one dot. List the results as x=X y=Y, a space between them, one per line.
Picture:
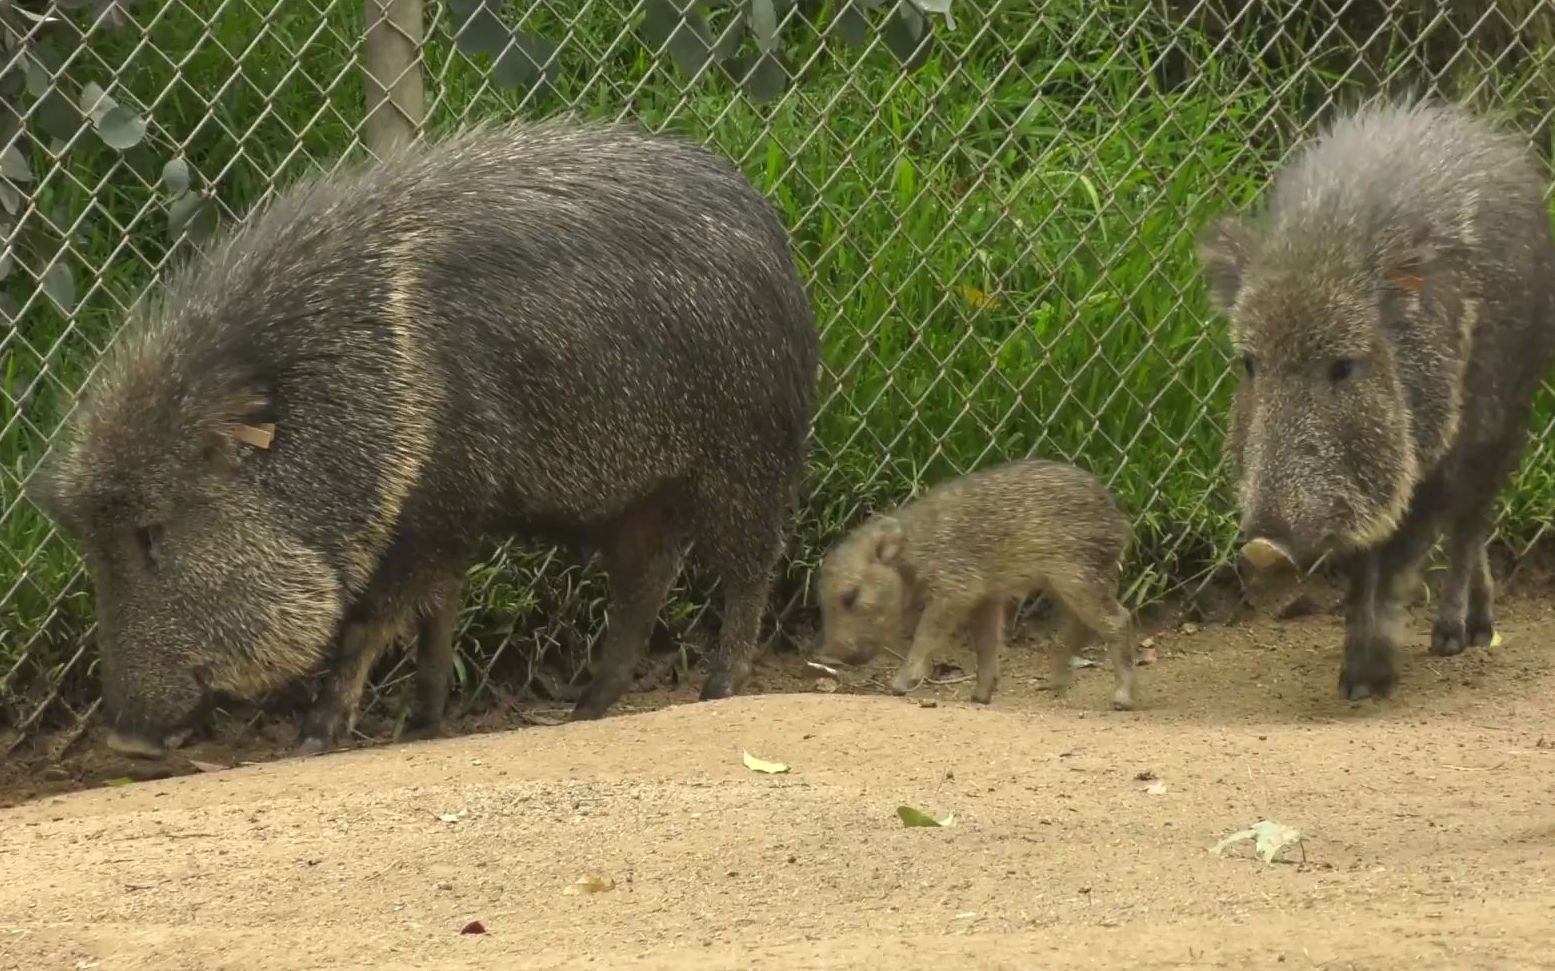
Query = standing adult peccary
x=1394 y=314
x=961 y=552
x=570 y=331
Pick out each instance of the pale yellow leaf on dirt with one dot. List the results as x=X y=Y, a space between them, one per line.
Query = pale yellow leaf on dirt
x=592 y=883
x=757 y=765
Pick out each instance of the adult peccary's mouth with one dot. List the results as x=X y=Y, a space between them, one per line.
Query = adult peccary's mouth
x=139 y=746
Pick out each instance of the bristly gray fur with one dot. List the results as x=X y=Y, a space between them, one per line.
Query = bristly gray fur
x=568 y=330
x=961 y=552
x=1394 y=308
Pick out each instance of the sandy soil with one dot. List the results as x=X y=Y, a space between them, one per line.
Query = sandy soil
x=1080 y=836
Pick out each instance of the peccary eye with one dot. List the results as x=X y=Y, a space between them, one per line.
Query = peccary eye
x=1340 y=369
x=1247 y=365
x=150 y=539
x=850 y=598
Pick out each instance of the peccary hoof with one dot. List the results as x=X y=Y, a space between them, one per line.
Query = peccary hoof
x=311 y=746
x=1449 y=638
x=720 y=684
x=902 y=684
x=1367 y=676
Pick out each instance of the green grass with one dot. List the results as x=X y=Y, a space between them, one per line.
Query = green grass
x=1001 y=266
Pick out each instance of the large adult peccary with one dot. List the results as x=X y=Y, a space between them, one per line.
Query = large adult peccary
x=1394 y=314
x=573 y=332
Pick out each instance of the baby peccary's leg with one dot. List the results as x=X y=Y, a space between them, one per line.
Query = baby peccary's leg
x=434 y=661
x=1093 y=605
x=939 y=621
x=987 y=637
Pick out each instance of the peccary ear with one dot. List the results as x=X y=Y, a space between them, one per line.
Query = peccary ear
x=887 y=539
x=242 y=418
x=1407 y=265
x=1223 y=248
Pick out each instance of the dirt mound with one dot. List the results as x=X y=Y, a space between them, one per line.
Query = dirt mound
x=1080 y=836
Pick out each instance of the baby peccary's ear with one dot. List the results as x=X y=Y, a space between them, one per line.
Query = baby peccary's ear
x=886 y=534
x=1223 y=249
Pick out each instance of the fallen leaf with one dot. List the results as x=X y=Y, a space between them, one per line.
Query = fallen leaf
x=1190 y=628
x=1076 y=661
x=757 y=765
x=452 y=817
x=589 y=884
x=1268 y=837
x=1145 y=657
x=1156 y=788
x=825 y=685
x=1495 y=640
x=917 y=817
x=824 y=667
x=473 y=927
x=208 y=766
x=122 y=780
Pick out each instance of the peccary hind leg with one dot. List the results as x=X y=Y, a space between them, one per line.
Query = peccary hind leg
x=1466 y=618
x=740 y=528
x=642 y=559
x=434 y=661
x=1094 y=608
x=987 y=636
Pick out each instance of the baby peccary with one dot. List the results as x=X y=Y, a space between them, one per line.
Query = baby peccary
x=576 y=333
x=1394 y=311
x=961 y=552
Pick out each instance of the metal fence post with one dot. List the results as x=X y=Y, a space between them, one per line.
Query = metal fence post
x=391 y=48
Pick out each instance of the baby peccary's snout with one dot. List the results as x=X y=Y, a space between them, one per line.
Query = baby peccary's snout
x=958 y=555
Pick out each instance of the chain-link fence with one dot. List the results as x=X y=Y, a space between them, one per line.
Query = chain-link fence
x=993 y=203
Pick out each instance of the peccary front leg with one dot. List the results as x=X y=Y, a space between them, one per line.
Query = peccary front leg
x=939 y=621
x=362 y=642
x=987 y=636
x=642 y=564
x=1465 y=618
x=434 y=661
x=1375 y=608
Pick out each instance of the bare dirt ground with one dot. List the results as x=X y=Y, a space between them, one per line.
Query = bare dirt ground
x=1080 y=836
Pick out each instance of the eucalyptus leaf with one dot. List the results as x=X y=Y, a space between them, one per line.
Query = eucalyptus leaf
x=13 y=164
x=852 y=26
x=10 y=199
x=37 y=76
x=728 y=42
x=175 y=175
x=94 y=101
x=904 y=34
x=59 y=284
x=766 y=78
x=480 y=30
x=121 y=128
x=764 y=24
x=194 y=212
x=5 y=263
x=528 y=58
x=56 y=116
x=691 y=45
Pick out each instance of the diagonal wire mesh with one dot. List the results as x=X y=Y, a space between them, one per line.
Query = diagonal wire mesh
x=993 y=210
